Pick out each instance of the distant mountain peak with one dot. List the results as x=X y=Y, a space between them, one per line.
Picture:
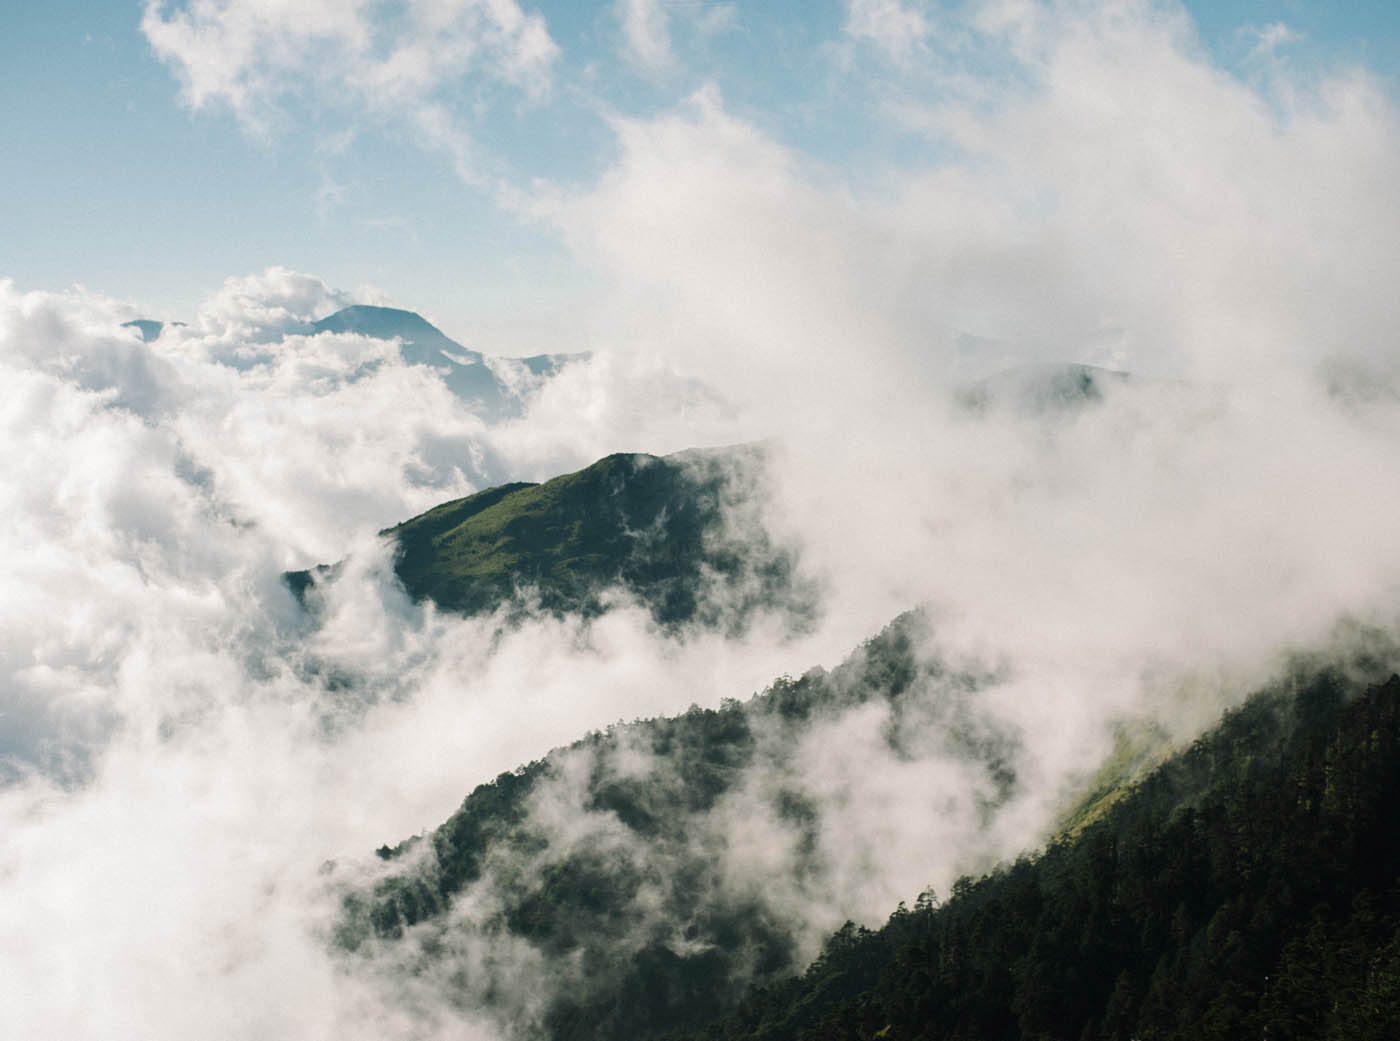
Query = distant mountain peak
x=357 y=315
x=148 y=328
x=464 y=370
x=423 y=342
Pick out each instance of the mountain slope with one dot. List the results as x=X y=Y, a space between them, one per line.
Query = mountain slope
x=423 y=342
x=683 y=534
x=466 y=372
x=1248 y=888
x=614 y=867
x=1227 y=894
x=149 y=329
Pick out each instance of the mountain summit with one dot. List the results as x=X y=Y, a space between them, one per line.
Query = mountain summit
x=496 y=387
x=682 y=534
x=423 y=342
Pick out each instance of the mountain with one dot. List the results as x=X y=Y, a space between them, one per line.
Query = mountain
x=148 y=328
x=423 y=342
x=610 y=865
x=665 y=878
x=496 y=387
x=466 y=372
x=683 y=534
x=1044 y=389
x=1249 y=887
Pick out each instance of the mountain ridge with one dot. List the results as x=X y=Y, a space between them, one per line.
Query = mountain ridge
x=682 y=534
x=1094 y=898
x=488 y=384
x=1241 y=890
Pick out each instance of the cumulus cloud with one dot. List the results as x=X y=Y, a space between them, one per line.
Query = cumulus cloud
x=210 y=747
x=159 y=687
x=268 y=305
x=1121 y=202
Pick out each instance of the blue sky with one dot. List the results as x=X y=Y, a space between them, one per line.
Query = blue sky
x=118 y=182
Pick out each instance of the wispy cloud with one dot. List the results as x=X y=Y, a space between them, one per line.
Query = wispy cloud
x=1267 y=40
x=899 y=29
x=259 y=57
x=646 y=32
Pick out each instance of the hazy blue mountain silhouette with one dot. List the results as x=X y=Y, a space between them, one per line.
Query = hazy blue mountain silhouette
x=463 y=370
x=423 y=342
x=149 y=329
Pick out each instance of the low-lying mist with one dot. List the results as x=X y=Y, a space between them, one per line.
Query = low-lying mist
x=195 y=768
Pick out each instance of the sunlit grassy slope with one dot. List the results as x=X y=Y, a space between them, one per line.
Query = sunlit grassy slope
x=682 y=534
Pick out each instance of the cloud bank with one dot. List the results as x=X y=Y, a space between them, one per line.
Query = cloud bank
x=183 y=749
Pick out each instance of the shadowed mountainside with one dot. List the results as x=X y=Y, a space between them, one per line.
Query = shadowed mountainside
x=1249 y=887
x=1230 y=892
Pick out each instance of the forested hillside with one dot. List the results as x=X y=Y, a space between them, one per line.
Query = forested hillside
x=1250 y=887
x=635 y=903
x=1246 y=887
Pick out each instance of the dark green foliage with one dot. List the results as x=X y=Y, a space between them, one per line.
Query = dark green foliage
x=646 y=833
x=1248 y=888
x=680 y=533
x=490 y=814
x=652 y=525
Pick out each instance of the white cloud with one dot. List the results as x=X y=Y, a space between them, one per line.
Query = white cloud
x=1115 y=199
x=650 y=29
x=259 y=56
x=268 y=305
x=235 y=746
x=646 y=30
x=899 y=29
x=1268 y=39
x=176 y=733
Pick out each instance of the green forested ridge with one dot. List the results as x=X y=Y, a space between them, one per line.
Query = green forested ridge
x=701 y=942
x=1247 y=887
x=1250 y=887
x=678 y=532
